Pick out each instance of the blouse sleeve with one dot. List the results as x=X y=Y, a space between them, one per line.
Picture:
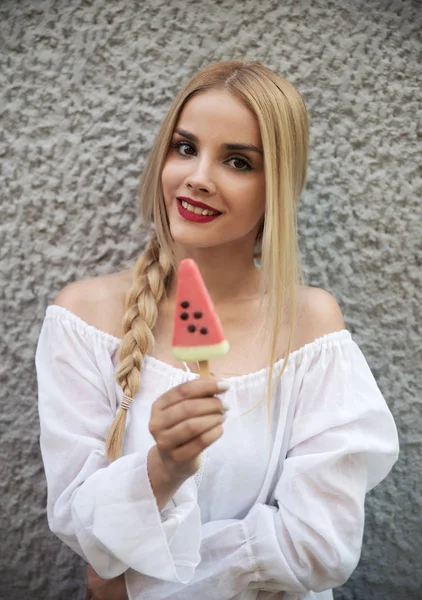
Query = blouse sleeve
x=343 y=442
x=106 y=513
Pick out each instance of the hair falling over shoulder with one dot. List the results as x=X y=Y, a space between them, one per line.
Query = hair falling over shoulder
x=148 y=288
x=284 y=128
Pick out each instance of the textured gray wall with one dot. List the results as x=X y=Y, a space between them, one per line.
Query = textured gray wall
x=83 y=86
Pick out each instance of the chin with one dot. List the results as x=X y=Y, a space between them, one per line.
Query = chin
x=193 y=240
x=208 y=235
x=187 y=234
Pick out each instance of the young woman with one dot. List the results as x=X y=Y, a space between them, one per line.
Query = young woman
x=249 y=484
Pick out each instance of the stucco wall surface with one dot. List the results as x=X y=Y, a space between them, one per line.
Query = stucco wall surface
x=83 y=87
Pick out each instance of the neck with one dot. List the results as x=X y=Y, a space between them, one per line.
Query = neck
x=228 y=275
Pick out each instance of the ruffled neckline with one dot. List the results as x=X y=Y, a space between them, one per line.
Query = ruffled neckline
x=62 y=314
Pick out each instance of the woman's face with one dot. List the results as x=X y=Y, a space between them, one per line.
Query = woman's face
x=213 y=178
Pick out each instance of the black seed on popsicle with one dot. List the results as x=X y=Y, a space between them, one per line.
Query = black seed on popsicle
x=197 y=315
x=191 y=328
x=203 y=330
x=184 y=316
x=184 y=304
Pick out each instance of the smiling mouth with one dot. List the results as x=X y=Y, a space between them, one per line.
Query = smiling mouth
x=197 y=214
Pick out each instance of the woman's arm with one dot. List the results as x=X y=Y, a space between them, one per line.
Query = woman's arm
x=110 y=513
x=107 y=513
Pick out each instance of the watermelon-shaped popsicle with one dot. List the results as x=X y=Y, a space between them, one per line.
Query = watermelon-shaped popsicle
x=198 y=334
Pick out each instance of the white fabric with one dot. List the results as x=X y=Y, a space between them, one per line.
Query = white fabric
x=260 y=526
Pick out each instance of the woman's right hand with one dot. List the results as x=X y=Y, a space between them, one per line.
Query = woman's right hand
x=184 y=421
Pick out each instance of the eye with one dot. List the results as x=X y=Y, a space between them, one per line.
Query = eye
x=183 y=148
x=240 y=164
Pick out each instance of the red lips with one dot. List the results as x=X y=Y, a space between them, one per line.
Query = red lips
x=193 y=217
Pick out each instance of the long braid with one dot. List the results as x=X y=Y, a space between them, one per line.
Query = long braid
x=152 y=271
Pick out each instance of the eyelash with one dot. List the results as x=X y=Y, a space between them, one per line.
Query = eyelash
x=177 y=146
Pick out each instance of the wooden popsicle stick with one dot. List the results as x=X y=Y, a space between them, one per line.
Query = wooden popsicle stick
x=204 y=369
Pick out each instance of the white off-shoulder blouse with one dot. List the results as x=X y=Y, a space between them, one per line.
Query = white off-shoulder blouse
x=274 y=512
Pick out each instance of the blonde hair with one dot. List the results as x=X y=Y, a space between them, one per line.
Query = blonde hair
x=283 y=124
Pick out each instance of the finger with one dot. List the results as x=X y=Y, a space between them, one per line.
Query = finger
x=187 y=431
x=189 y=409
x=199 y=388
x=193 y=448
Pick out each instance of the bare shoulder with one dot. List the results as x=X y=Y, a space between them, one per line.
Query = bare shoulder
x=318 y=314
x=98 y=301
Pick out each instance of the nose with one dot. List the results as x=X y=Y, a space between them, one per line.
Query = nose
x=201 y=179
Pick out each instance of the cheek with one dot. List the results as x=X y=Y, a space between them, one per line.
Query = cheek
x=172 y=176
x=167 y=180
x=260 y=196
x=165 y=175
x=253 y=197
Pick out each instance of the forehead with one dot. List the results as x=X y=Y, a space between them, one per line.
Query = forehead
x=221 y=116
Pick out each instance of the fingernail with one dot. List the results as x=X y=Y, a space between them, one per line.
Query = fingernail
x=223 y=386
x=226 y=407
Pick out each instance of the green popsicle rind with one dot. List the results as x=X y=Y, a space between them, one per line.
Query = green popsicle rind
x=199 y=353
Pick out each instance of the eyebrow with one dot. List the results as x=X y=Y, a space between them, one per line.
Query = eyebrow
x=191 y=136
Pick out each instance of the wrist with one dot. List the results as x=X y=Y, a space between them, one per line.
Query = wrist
x=163 y=483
